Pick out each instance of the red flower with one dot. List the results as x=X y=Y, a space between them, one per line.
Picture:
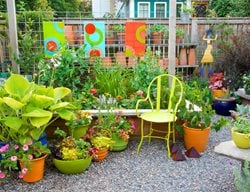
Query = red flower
x=93 y=91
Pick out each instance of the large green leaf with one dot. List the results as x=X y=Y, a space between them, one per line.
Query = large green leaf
x=61 y=106
x=39 y=117
x=66 y=114
x=61 y=92
x=13 y=122
x=14 y=104
x=17 y=85
x=41 y=101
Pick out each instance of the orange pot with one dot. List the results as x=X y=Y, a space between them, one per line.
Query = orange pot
x=197 y=138
x=218 y=93
x=101 y=154
x=36 y=170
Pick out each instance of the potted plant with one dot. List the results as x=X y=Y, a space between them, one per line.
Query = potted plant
x=102 y=145
x=27 y=109
x=186 y=12
x=30 y=157
x=241 y=127
x=197 y=114
x=79 y=123
x=119 y=128
x=119 y=30
x=246 y=82
x=157 y=31
x=72 y=155
x=179 y=35
x=222 y=101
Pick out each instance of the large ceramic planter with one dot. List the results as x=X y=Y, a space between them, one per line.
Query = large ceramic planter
x=223 y=106
x=101 y=154
x=72 y=166
x=241 y=140
x=197 y=138
x=36 y=170
x=78 y=132
x=119 y=143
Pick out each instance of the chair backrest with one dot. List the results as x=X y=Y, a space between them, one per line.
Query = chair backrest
x=165 y=92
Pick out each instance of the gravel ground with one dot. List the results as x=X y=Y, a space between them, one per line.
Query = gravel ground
x=150 y=170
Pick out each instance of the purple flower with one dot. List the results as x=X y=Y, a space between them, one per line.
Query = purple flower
x=13 y=158
x=25 y=147
x=2 y=175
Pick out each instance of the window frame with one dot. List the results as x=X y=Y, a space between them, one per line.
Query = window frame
x=138 y=9
x=165 y=5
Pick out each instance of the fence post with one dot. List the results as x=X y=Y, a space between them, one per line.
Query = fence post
x=194 y=31
x=13 y=32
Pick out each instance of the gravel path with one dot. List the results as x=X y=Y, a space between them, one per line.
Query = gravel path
x=150 y=170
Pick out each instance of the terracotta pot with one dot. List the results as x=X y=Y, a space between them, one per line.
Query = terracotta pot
x=107 y=61
x=241 y=140
x=110 y=40
x=36 y=170
x=183 y=56
x=178 y=39
x=72 y=166
x=191 y=56
x=156 y=37
x=121 y=58
x=120 y=37
x=197 y=138
x=100 y=154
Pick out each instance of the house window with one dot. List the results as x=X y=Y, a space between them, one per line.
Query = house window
x=179 y=8
x=160 y=10
x=143 y=10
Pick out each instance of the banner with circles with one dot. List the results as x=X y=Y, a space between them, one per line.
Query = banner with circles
x=53 y=33
x=135 y=38
x=94 y=38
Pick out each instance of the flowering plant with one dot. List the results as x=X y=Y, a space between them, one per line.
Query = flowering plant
x=81 y=118
x=12 y=153
x=217 y=81
x=116 y=124
x=70 y=148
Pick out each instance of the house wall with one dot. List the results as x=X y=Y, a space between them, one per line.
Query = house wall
x=100 y=7
x=152 y=6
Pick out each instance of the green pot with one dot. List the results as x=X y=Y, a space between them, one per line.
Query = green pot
x=241 y=140
x=119 y=143
x=72 y=166
x=78 y=132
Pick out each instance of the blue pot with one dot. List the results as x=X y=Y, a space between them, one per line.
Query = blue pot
x=223 y=106
x=43 y=139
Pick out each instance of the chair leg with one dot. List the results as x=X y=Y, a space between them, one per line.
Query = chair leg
x=150 y=132
x=167 y=139
x=142 y=136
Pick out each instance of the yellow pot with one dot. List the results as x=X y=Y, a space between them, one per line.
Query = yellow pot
x=241 y=140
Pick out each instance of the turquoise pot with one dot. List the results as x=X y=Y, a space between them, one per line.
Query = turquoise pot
x=78 y=132
x=72 y=166
x=119 y=144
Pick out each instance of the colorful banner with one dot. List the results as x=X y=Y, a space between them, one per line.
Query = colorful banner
x=94 y=38
x=135 y=38
x=53 y=33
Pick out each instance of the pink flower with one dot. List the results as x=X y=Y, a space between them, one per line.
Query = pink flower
x=25 y=147
x=4 y=148
x=30 y=157
x=31 y=142
x=24 y=170
x=16 y=147
x=13 y=158
x=139 y=92
x=21 y=175
x=2 y=175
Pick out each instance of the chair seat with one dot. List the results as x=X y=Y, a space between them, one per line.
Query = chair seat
x=158 y=117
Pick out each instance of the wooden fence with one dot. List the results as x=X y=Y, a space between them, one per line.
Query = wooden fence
x=194 y=29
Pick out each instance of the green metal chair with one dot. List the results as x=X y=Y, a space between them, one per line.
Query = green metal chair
x=164 y=95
